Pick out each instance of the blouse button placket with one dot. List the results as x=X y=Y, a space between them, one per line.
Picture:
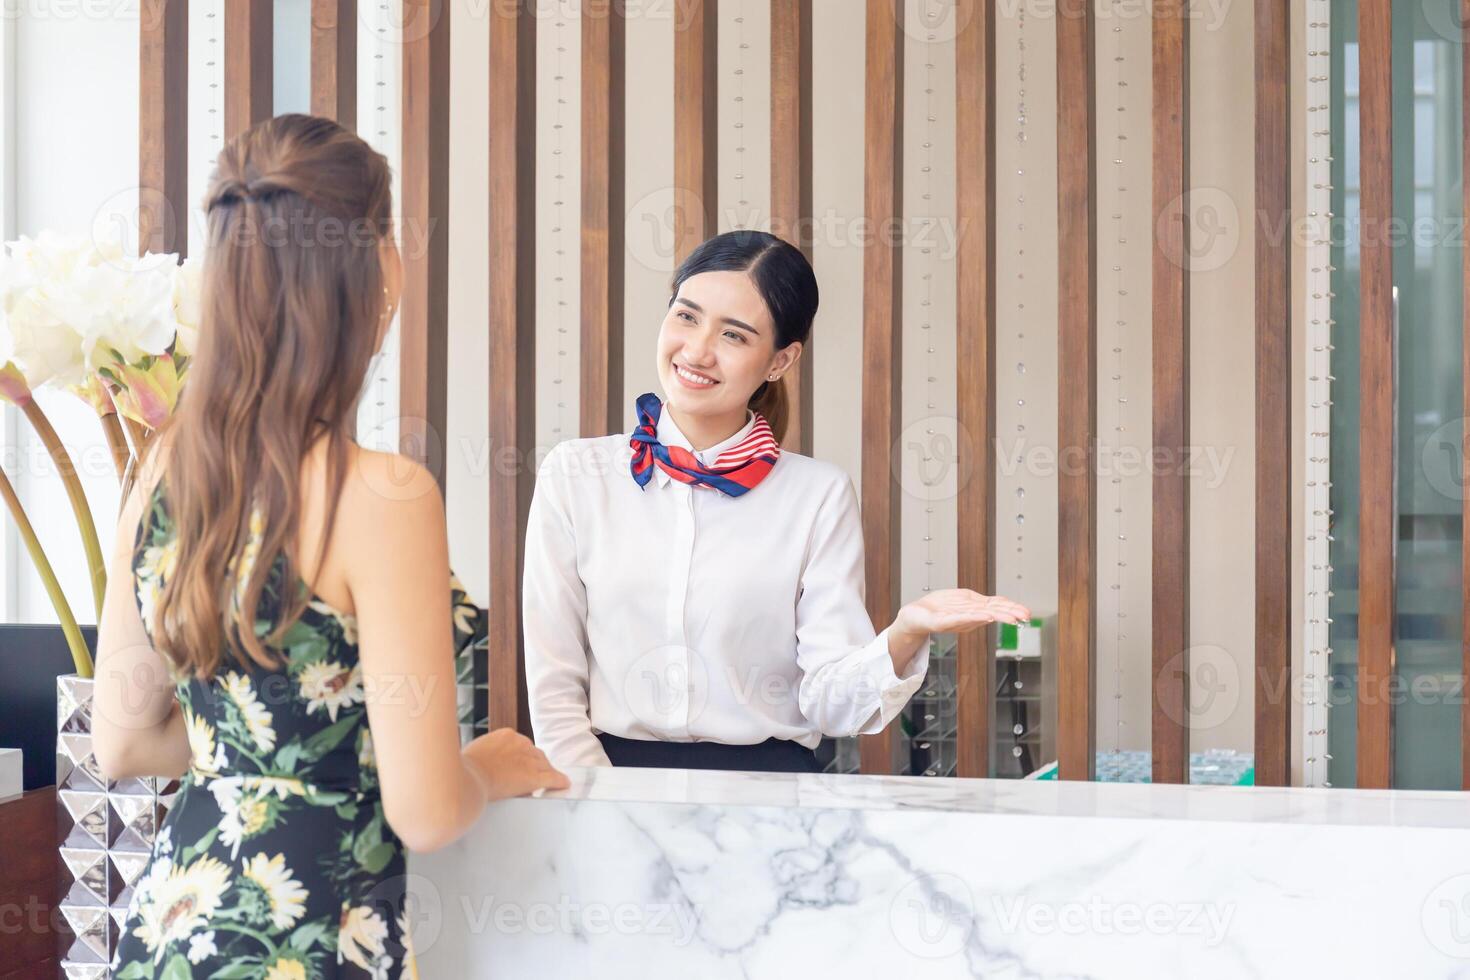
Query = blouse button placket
x=680 y=563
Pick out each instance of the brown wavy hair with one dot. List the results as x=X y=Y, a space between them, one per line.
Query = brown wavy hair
x=293 y=299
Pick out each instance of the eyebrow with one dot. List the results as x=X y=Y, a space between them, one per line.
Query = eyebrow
x=730 y=320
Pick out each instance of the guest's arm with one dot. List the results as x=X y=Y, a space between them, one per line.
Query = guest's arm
x=395 y=548
x=137 y=725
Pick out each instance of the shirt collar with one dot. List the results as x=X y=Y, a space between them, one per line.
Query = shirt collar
x=668 y=433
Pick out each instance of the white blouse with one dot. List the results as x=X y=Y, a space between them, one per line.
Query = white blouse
x=678 y=613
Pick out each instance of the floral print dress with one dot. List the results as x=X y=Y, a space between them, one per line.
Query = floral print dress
x=275 y=860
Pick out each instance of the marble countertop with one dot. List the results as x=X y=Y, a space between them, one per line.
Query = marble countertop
x=1039 y=798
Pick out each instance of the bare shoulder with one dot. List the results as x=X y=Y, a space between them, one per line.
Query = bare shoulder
x=387 y=487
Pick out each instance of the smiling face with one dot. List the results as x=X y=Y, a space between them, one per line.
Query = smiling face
x=717 y=345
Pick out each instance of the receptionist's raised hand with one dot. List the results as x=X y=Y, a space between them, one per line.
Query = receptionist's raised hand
x=958 y=611
x=508 y=764
x=946 y=611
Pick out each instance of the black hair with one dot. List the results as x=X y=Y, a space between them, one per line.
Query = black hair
x=787 y=285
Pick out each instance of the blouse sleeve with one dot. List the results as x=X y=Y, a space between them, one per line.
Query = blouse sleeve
x=554 y=608
x=848 y=685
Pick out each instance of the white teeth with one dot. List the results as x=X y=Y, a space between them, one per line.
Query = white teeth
x=691 y=378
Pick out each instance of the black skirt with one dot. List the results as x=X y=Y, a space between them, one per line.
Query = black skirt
x=772 y=755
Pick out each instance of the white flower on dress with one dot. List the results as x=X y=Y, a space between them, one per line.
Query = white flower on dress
x=286 y=896
x=181 y=903
x=258 y=720
x=201 y=946
x=158 y=564
x=286 y=968
x=361 y=933
x=366 y=757
x=410 y=962
x=208 y=758
x=348 y=623
x=329 y=685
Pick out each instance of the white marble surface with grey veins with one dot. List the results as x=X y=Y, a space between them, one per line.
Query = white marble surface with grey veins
x=662 y=873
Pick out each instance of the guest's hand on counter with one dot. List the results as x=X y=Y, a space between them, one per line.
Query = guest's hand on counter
x=947 y=611
x=506 y=763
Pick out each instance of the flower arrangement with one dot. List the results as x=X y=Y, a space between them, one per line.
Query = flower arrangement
x=112 y=328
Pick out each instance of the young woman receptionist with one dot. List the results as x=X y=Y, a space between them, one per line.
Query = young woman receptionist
x=694 y=594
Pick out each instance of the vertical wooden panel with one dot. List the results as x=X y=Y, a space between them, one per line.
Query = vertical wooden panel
x=1273 y=394
x=1077 y=392
x=882 y=333
x=791 y=176
x=975 y=347
x=424 y=237
x=1465 y=412
x=1170 y=722
x=604 y=86
x=696 y=140
x=163 y=127
x=1375 y=438
x=512 y=342
x=249 y=86
x=334 y=60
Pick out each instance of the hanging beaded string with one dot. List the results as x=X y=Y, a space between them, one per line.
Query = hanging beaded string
x=1120 y=394
x=558 y=231
x=742 y=46
x=1317 y=668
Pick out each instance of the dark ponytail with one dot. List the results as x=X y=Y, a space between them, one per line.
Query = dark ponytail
x=787 y=285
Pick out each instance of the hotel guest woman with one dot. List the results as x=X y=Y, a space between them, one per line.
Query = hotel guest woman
x=694 y=594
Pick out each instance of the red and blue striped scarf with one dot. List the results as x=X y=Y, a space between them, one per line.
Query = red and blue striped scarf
x=737 y=469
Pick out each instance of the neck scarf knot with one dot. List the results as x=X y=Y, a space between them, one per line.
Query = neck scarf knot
x=737 y=469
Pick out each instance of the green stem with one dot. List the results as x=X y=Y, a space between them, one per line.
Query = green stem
x=79 y=508
x=79 y=655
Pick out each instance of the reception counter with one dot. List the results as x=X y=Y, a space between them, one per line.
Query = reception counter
x=664 y=873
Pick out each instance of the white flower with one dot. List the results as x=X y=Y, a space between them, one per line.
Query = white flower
x=366 y=757
x=348 y=623
x=188 y=305
x=208 y=758
x=328 y=684
x=201 y=946
x=360 y=936
x=286 y=896
x=157 y=566
x=410 y=961
x=257 y=718
x=181 y=904
x=69 y=303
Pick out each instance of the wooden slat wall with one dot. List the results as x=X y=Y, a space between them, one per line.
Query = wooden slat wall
x=696 y=139
x=791 y=176
x=1077 y=394
x=604 y=85
x=1465 y=375
x=334 y=60
x=882 y=333
x=249 y=85
x=1273 y=394
x=1170 y=706
x=163 y=127
x=1375 y=439
x=424 y=310
x=975 y=179
x=512 y=341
